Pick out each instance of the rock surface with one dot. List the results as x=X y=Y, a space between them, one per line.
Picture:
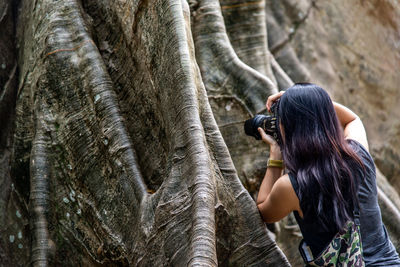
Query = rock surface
x=352 y=49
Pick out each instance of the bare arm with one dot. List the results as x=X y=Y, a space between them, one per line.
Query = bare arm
x=280 y=201
x=272 y=173
x=352 y=125
x=276 y=197
x=271 y=176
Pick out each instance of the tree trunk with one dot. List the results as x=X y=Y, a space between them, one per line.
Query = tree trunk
x=113 y=129
x=122 y=136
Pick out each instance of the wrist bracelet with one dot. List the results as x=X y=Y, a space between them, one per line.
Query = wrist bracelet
x=275 y=163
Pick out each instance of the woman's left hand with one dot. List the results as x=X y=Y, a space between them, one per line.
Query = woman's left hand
x=275 y=150
x=272 y=98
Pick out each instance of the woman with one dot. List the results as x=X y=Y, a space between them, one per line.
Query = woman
x=325 y=151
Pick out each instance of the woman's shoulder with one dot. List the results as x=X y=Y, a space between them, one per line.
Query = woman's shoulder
x=291 y=178
x=280 y=202
x=284 y=186
x=358 y=147
x=361 y=151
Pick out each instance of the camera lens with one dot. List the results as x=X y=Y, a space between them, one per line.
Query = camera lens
x=251 y=125
x=270 y=125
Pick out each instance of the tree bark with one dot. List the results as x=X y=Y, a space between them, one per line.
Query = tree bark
x=113 y=129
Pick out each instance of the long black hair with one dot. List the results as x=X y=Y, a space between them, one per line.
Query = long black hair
x=315 y=151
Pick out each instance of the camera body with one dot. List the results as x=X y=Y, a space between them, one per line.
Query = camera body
x=269 y=123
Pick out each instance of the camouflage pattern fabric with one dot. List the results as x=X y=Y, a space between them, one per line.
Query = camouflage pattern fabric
x=345 y=249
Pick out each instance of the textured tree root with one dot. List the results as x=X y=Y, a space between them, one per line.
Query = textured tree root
x=39 y=196
x=77 y=51
x=246 y=28
x=222 y=70
x=279 y=40
x=284 y=81
x=97 y=209
x=178 y=156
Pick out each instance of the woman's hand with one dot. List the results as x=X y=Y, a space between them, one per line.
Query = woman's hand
x=275 y=150
x=272 y=98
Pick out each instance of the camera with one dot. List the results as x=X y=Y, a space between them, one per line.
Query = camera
x=269 y=123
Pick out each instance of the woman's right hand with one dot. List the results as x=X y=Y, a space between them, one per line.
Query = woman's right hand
x=272 y=98
x=274 y=148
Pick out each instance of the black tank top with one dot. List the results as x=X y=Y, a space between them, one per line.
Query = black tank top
x=378 y=250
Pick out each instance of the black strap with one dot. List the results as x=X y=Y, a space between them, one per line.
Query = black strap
x=294 y=183
x=356 y=211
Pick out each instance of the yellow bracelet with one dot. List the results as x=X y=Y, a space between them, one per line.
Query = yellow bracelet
x=275 y=163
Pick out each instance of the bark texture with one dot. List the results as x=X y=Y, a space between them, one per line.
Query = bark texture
x=122 y=137
x=113 y=129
